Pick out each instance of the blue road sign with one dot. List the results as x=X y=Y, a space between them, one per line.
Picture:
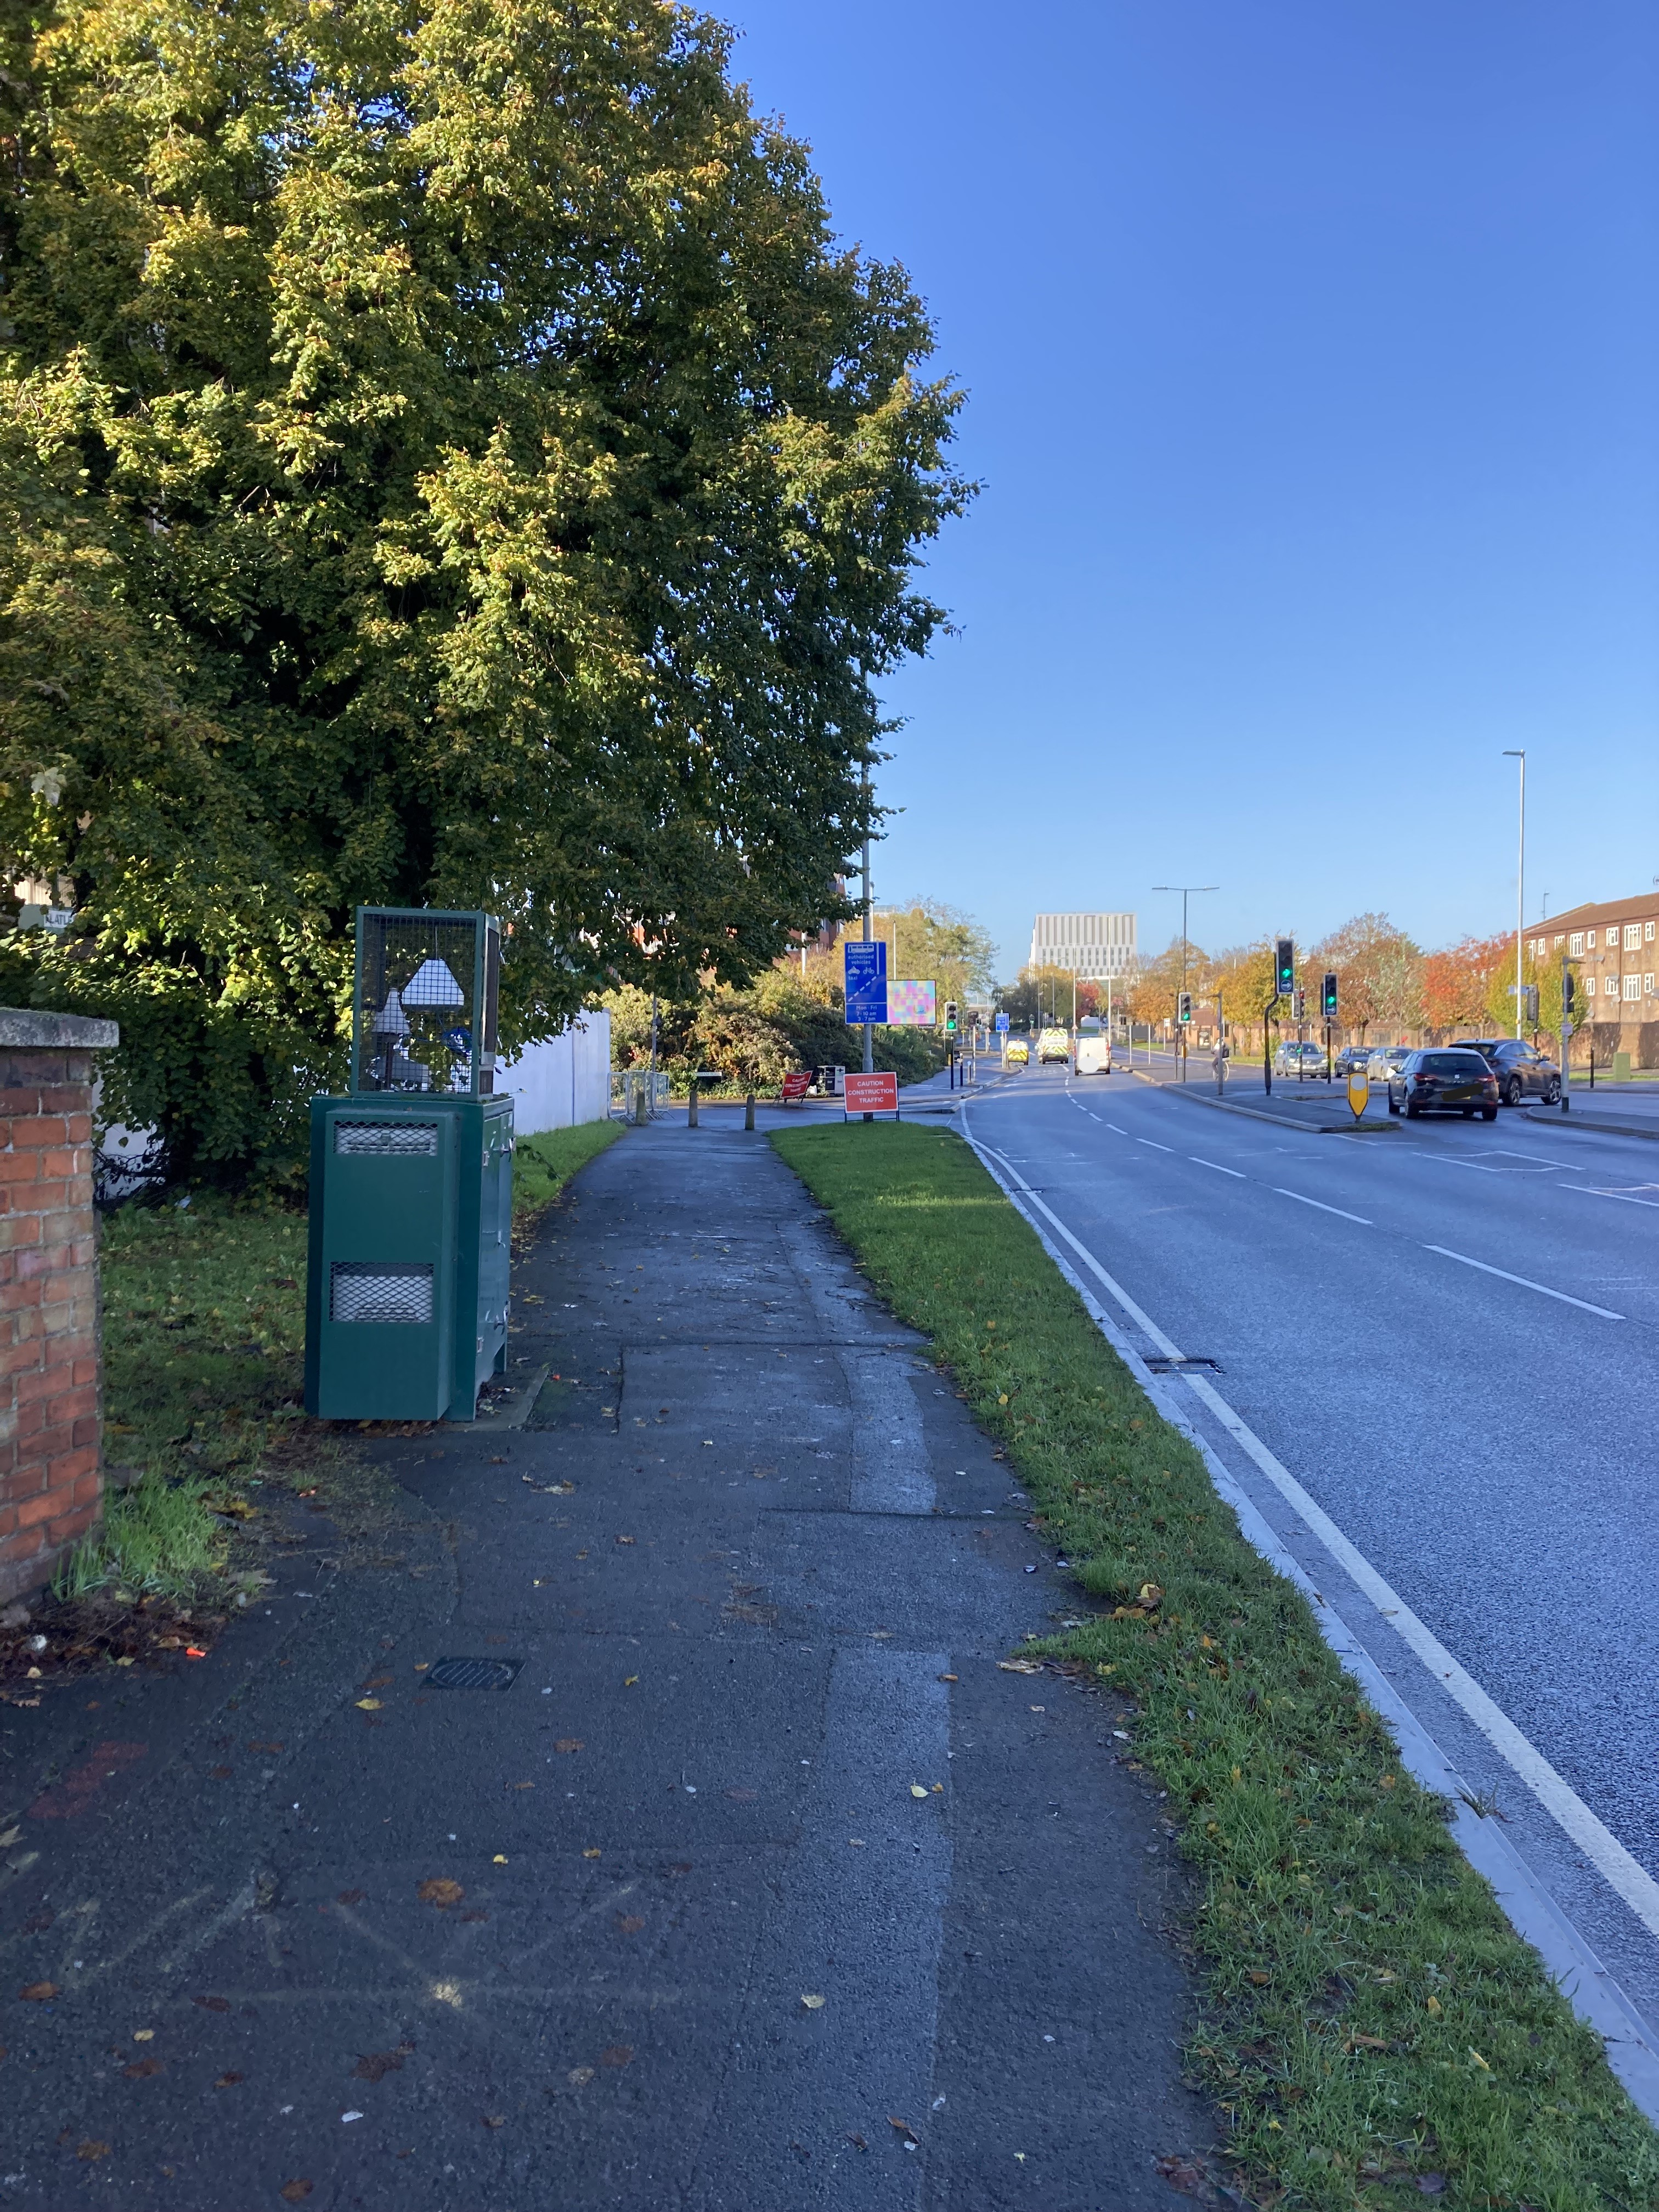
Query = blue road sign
x=1002 y=1021
x=867 y=979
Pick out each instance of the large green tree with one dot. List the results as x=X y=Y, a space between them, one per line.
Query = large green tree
x=444 y=459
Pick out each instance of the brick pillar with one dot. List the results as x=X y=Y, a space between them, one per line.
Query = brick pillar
x=51 y=1477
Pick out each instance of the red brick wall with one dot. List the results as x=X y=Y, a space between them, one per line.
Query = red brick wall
x=51 y=1483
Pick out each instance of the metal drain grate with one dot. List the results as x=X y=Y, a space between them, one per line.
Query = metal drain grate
x=1162 y=1365
x=474 y=1673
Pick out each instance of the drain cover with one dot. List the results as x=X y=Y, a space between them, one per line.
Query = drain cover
x=1162 y=1365
x=475 y=1673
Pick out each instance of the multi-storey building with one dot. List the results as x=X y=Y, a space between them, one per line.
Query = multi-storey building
x=1093 y=946
x=1615 y=949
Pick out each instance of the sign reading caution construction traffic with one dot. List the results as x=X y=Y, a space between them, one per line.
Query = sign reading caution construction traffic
x=871 y=1094
x=867 y=979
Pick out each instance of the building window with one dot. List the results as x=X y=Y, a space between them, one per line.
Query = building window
x=1648 y=933
x=1590 y=987
x=1647 y=987
x=1633 y=986
x=1590 y=934
x=1575 y=943
x=1632 y=935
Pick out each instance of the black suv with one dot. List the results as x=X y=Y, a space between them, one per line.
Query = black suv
x=1456 y=1080
x=1522 y=1070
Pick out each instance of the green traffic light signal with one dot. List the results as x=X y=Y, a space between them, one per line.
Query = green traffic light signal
x=1285 y=967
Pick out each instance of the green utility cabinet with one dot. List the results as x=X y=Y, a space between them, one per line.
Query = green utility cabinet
x=412 y=1182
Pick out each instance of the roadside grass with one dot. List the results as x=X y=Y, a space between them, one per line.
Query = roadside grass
x=1369 y=2019
x=203 y=1352
x=545 y=1164
x=205 y=1323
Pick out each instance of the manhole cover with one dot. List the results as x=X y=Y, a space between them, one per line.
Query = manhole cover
x=475 y=1673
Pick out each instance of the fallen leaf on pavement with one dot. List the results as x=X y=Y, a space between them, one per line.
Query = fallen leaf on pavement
x=903 y=2127
x=494 y=2119
x=227 y=2080
x=568 y=1743
x=591 y=1852
x=500 y=1859
x=524 y=1785
x=369 y=1704
x=624 y=1539
x=350 y=1897
x=144 y=2035
x=376 y=2065
x=1020 y=1666
x=91 y=2150
x=39 y=1992
x=212 y=2004
x=615 y=2054
x=916 y=1789
x=628 y=1681
x=949 y=1678
x=813 y=2004
x=1182 y=2174
x=629 y=1924
x=141 y=2069
x=295 y=2192
x=440 y=1892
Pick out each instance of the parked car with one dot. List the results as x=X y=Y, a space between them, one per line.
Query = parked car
x=1054 y=1044
x=1019 y=1053
x=1521 y=1068
x=1387 y=1060
x=1289 y=1056
x=1452 y=1080
x=1351 y=1060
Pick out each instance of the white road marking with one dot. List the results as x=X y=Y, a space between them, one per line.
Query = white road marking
x=1154 y=1144
x=1112 y=1125
x=1624 y=1197
x=1321 y=1204
x=1216 y=1165
x=1525 y=1281
x=1601 y=1846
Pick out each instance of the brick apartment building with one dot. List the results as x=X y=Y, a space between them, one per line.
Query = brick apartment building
x=1615 y=949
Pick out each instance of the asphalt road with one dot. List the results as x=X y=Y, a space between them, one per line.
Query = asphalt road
x=1448 y=1333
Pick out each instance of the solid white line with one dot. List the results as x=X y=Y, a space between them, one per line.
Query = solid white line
x=1525 y=1281
x=1141 y=1320
x=1523 y=1894
x=1217 y=1165
x=1632 y=1880
x=1321 y=1204
x=1623 y=1197
x=1154 y=1144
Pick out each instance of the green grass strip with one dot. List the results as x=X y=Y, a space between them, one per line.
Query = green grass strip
x=1369 y=2019
x=543 y=1164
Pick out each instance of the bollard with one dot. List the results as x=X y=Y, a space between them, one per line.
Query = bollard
x=691 y=1107
x=748 y=1111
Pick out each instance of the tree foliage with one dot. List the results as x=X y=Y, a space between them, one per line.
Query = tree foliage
x=444 y=459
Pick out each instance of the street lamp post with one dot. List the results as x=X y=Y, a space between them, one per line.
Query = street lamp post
x=1512 y=753
x=1187 y=890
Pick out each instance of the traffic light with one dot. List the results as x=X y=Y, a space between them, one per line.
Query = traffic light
x=1299 y=1000
x=950 y=1018
x=1183 y=1006
x=1328 y=994
x=1285 y=967
x=1569 y=992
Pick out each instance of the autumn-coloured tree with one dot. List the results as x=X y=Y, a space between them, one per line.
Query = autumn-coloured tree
x=1455 y=982
x=1377 y=970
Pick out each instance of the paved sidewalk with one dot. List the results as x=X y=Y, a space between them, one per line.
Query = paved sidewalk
x=497 y=1950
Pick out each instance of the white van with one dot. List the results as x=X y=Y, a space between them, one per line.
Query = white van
x=1094 y=1046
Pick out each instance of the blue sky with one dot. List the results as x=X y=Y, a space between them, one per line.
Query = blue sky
x=1312 y=355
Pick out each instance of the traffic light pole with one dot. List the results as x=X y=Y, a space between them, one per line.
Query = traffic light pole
x=1566 y=1031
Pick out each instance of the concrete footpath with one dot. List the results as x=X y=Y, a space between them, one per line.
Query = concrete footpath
x=658 y=1827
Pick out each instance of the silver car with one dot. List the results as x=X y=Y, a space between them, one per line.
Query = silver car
x=1387 y=1060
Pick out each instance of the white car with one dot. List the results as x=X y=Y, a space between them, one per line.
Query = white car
x=1094 y=1046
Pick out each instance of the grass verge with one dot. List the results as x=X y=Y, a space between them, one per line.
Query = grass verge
x=1370 y=2019
x=543 y=1164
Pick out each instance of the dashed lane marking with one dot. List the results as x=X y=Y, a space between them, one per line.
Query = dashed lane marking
x=1525 y=1281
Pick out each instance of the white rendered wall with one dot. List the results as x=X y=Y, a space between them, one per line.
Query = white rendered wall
x=563 y=1081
